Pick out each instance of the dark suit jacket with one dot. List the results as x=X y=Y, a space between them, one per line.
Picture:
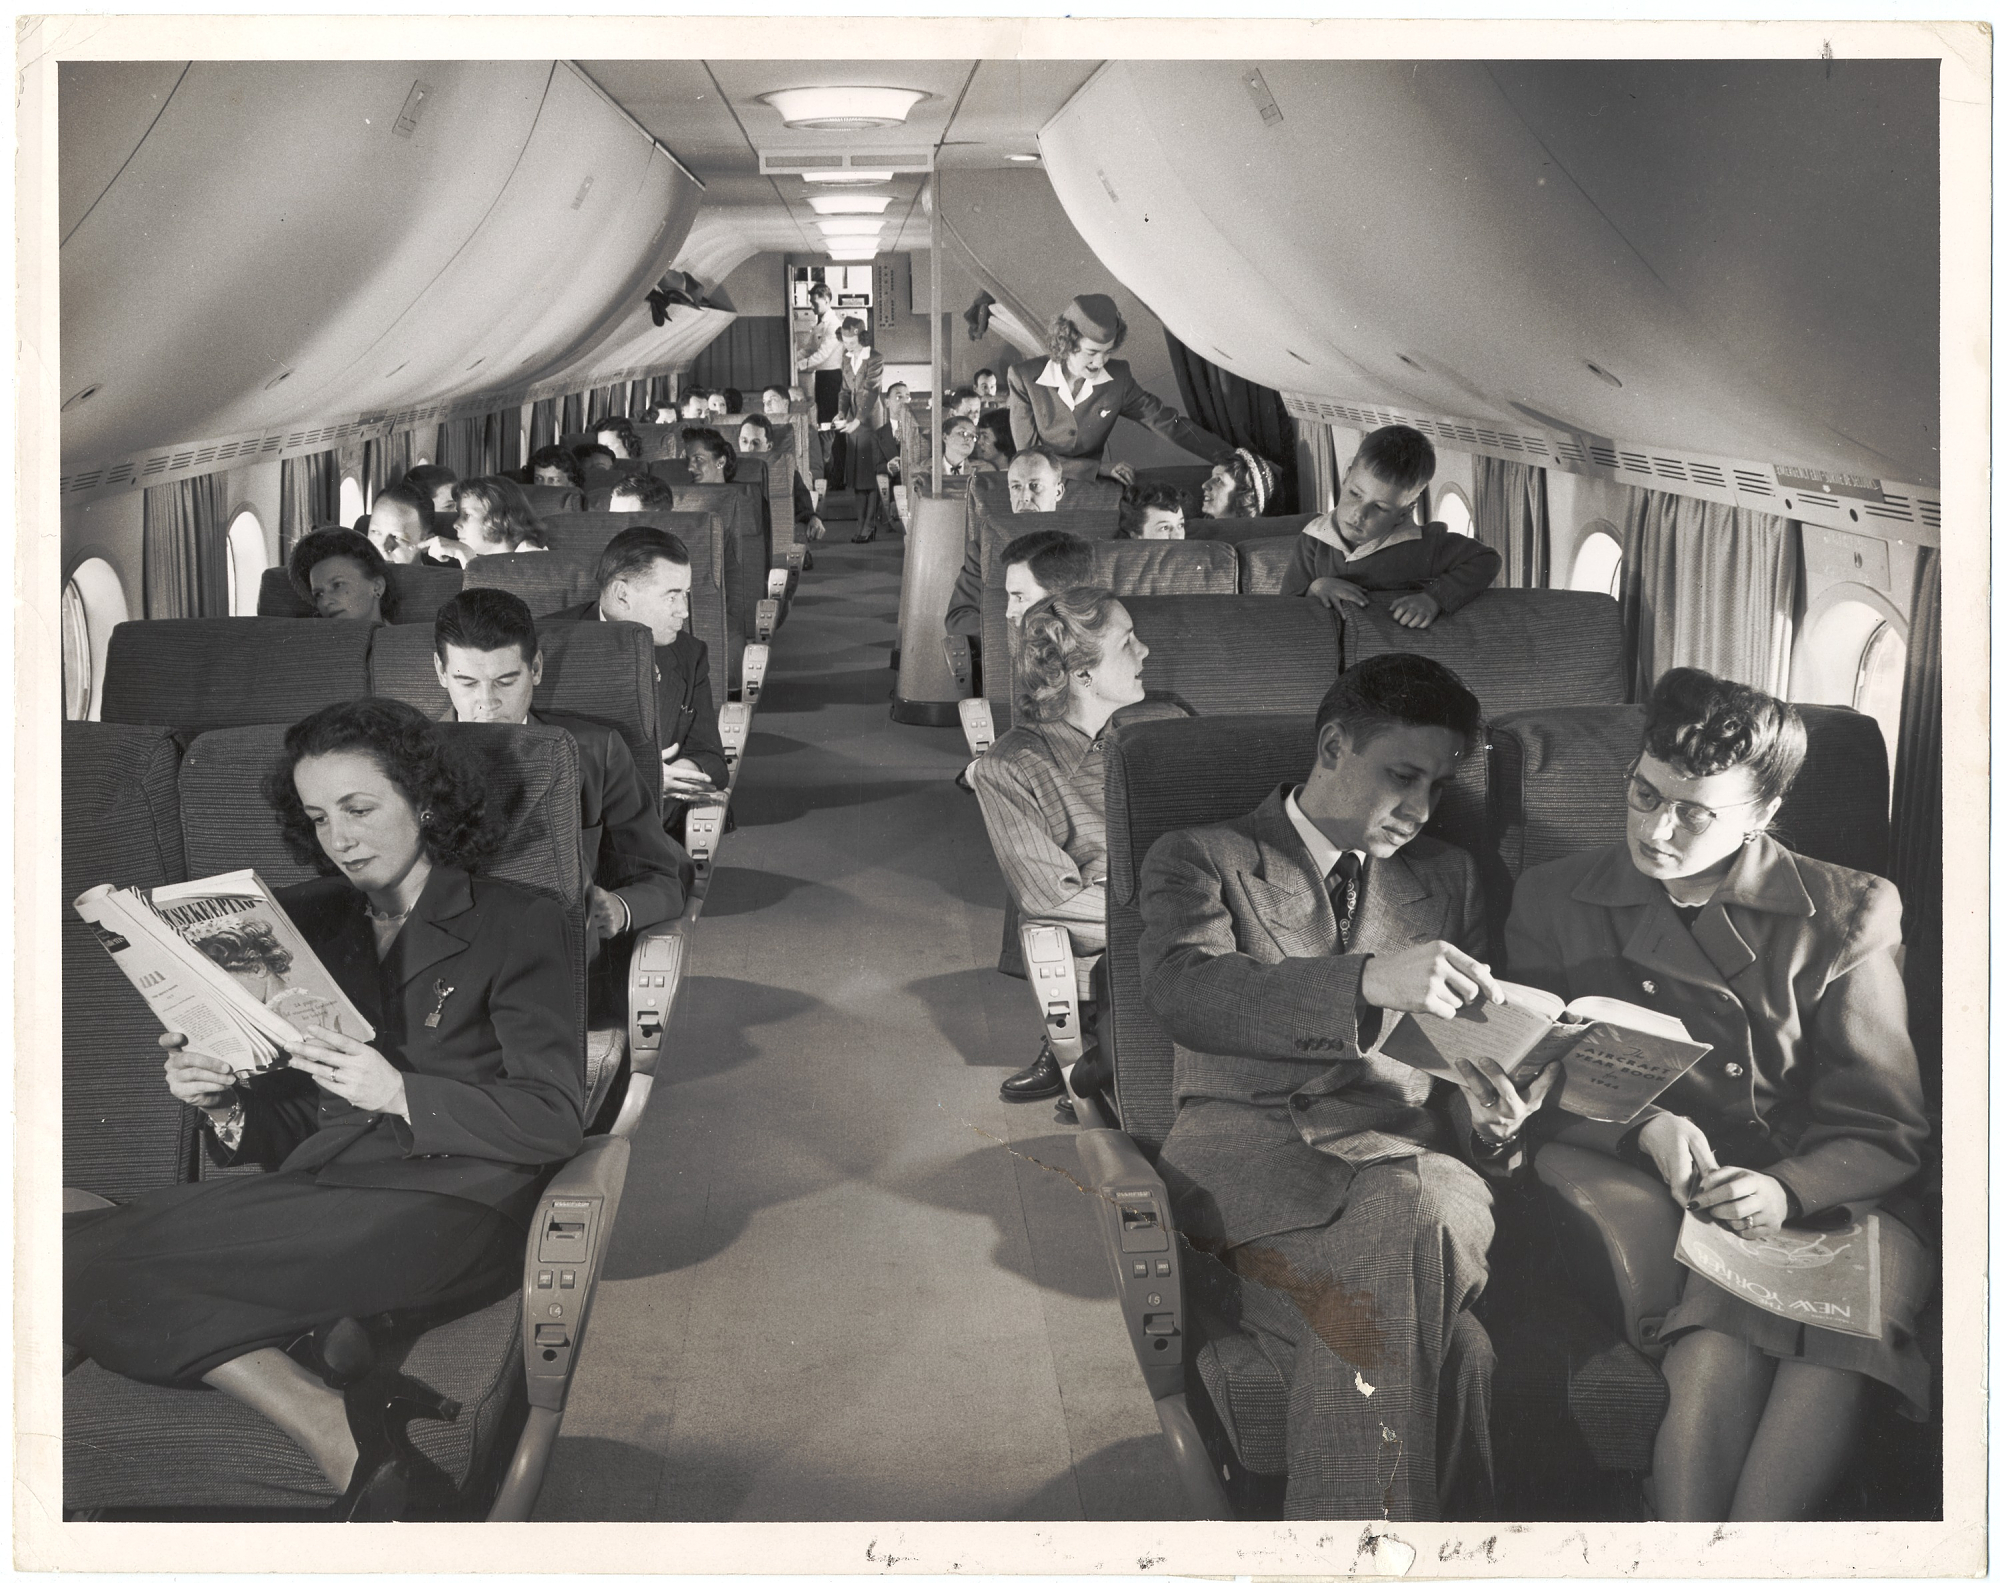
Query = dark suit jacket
x=1043 y=421
x=495 y=1090
x=625 y=848
x=1280 y=1098
x=687 y=704
x=1790 y=972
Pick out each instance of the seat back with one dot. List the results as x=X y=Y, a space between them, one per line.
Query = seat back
x=414 y=592
x=207 y=672
x=988 y=494
x=123 y=1133
x=599 y=669
x=1244 y=530
x=1264 y=562
x=740 y=508
x=531 y=781
x=549 y=499
x=1234 y=654
x=986 y=538
x=1517 y=648
x=544 y=580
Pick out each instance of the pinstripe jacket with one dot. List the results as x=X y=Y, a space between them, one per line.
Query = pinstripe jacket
x=1280 y=1099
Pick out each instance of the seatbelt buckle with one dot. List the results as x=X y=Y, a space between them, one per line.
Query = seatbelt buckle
x=958 y=658
x=975 y=718
x=1052 y=976
x=767 y=619
x=704 y=831
x=756 y=660
x=732 y=724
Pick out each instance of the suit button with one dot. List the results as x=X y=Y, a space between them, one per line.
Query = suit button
x=1338 y=1045
x=1300 y=1101
x=1734 y=1069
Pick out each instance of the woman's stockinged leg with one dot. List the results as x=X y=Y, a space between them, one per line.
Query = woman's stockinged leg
x=310 y=1411
x=1808 y=1431
x=1717 y=1386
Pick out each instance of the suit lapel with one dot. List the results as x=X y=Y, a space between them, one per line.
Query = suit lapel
x=1286 y=892
x=1397 y=908
x=430 y=937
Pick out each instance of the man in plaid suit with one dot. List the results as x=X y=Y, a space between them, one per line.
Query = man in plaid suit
x=1329 y=1185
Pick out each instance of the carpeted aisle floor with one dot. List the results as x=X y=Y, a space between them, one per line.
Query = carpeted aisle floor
x=847 y=1282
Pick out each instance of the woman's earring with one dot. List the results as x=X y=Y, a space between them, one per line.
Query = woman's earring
x=424 y=817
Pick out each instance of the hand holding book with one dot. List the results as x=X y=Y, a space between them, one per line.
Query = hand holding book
x=356 y=1072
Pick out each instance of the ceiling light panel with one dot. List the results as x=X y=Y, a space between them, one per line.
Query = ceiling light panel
x=850 y=202
x=847 y=177
x=844 y=109
x=849 y=225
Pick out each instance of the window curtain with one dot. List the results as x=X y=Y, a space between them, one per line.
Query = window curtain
x=1242 y=413
x=308 y=497
x=185 y=549
x=500 y=440
x=383 y=462
x=661 y=393
x=461 y=443
x=1319 y=467
x=600 y=403
x=1917 y=865
x=1510 y=511
x=750 y=353
x=1709 y=585
x=573 y=419
x=542 y=424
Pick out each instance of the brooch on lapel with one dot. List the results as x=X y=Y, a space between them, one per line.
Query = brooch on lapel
x=437 y=1012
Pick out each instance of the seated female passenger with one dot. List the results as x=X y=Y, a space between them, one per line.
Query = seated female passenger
x=342 y=574
x=618 y=437
x=712 y=458
x=552 y=465
x=754 y=439
x=400 y=1175
x=1151 y=511
x=494 y=518
x=1041 y=786
x=1810 y=1105
x=1238 y=487
x=594 y=459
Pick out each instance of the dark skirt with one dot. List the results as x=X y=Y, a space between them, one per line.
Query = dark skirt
x=169 y=1286
x=826 y=393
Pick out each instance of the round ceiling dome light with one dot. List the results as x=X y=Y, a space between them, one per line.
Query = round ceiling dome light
x=847 y=178
x=849 y=202
x=849 y=225
x=844 y=109
x=850 y=253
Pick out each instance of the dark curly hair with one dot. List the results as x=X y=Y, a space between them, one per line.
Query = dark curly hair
x=622 y=427
x=555 y=456
x=1064 y=336
x=1138 y=499
x=1703 y=725
x=413 y=753
x=328 y=544
x=712 y=442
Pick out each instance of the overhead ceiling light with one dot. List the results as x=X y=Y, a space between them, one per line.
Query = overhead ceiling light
x=1026 y=159
x=843 y=109
x=850 y=252
x=847 y=178
x=849 y=202
x=849 y=225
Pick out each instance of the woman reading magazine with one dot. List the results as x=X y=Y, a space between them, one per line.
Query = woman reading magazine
x=1809 y=1103
x=400 y=1175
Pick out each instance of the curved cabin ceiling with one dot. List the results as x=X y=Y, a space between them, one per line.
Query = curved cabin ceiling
x=1748 y=249
x=277 y=242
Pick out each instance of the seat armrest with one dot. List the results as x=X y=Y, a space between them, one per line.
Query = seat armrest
x=1146 y=1256
x=958 y=659
x=653 y=983
x=566 y=1242
x=704 y=833
x=975 y=719
x=756 y=661
x=1057 y=978
x=732 y=725
x=1618 y=1227
x=766 y=619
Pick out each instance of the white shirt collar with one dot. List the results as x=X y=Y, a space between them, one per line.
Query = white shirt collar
x=1409 y=530
x=1322 y=851
x=1053 y=376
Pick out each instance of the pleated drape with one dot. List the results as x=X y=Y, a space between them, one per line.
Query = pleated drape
x=1510 y=511
x=749 y=354
x=462 y=446
x=1243 y=413
x=1319 y=467
x=1709 y=585
x=308 y=496
x=384 y=462
x=542 y=424
x=185 y=548
x=573 y=419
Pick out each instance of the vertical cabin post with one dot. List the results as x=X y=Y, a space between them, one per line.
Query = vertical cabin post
x=937 y=336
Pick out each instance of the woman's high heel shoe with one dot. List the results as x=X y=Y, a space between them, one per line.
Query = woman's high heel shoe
x=863 y=538
x=380 y=1410
x=339 y=1352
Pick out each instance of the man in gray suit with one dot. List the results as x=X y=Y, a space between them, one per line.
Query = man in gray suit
x=1329 y=1184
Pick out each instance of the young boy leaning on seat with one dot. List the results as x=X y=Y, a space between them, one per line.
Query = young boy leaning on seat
x=1372 y=543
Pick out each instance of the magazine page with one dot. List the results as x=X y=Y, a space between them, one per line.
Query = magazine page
x=1611 y=1073
x=235 y=922
x=1832 y=1279
x=1504 y=1033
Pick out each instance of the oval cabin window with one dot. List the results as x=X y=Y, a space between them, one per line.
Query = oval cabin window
x=1852 y=650
x=1600 y=565
x=248 y=557
x=93 y=602
x=1454 y=510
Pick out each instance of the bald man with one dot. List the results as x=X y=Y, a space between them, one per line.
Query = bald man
x=1034 y=483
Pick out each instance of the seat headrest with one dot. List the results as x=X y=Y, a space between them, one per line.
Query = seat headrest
x=205 y=673
x=547 y=499
x=414 y=592
x=121 y=817
x=988 y=494
x=1165 y=566
x=1232 y=654
x=544 y=580
x=1262 y=564
x=1517 y=648
x=1246 y=530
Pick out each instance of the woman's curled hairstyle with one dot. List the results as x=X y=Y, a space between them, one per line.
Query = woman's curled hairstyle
x=412 y=752
x=1064 y=338
x=1059 y=637
x=507 y=510
x=1703 y=725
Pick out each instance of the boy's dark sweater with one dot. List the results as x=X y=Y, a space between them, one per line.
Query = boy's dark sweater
x=1451 y=567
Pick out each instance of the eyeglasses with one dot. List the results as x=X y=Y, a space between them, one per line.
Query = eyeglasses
x=1693 y=817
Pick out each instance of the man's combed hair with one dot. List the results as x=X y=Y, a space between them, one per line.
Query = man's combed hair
x=1397 y=690
x=1703 y=725
x=1060 y=636
x=430 y=477
x=653 y=494
x=1055 y=559
x=630 y=555
x=327 y=544
x=485 y=619
x=1399 y=456
x=1138 y=499
x=411 y=497
x=411 y=751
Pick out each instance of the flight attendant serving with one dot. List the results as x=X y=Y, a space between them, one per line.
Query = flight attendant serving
x=400 y=1175
x=1067 y=403
x=1809 y=1105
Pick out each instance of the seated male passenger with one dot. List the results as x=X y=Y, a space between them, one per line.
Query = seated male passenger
x=694 y=405
x=712 y=458
x=1034 y=483
x=1278 y=950
x=401 y=519
x=554 y=467
x=435 y=481
x=342 y=574
x=986 y=384
x=1371 y=542
x=1151 y=511
x=490 y=661
x=754 y=439
x=1036 y=565
x=645 y=575
x=1041 y=786
x=594 y=459
x=641 y=492
x=777 y=403
x=494 y=518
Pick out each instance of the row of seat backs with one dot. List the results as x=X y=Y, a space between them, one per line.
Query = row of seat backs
x=1549 y=782
x=414 y=593
x=713 y=528
x=136 y=811
x=214 y=673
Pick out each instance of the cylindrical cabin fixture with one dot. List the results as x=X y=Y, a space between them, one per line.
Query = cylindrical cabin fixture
x=844 y=109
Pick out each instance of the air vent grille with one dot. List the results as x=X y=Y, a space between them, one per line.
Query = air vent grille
x=1931 y=514
x=1890 y=508
x=1748 y=483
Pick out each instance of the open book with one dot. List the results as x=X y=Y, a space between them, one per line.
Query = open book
x=1832 y=1279
x=220 y=962
x=1616 y=1060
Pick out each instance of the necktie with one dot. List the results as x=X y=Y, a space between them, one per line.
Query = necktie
x=1343 y=890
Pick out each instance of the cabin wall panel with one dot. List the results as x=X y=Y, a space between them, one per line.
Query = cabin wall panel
x=756 y=287
x=113 y=527
x=1576 y=502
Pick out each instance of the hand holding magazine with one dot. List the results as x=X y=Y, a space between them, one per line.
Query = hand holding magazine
x=219 y=962
x=1617 y=1058
x=1830 y=1278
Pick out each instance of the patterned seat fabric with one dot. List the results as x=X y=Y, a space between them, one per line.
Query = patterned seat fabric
x=1517 y=648
x=550 y=499
x=1263 y=563
x=989 y=536
x=232 y=671
x=1237 y=654
x=123 y=1133
x=738 y=506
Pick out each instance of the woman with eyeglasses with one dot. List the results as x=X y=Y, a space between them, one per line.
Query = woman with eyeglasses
x=1809 y=1107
